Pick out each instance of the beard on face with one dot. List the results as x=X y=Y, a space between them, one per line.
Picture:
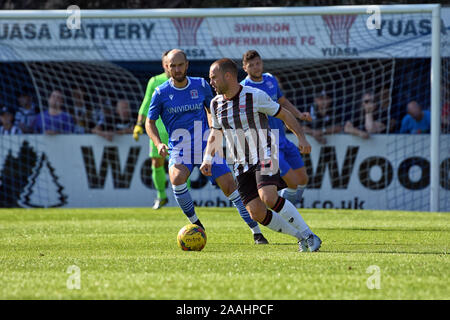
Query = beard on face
x=180 y=76
x=256 y=74
x=221 y=89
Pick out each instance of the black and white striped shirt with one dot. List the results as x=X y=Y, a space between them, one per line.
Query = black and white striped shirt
x=245 y=126
x=12 y=130
x=26 y=118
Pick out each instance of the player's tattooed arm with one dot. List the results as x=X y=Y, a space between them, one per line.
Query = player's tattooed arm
x=304 y=116
x=294 y=126
x=152 y=131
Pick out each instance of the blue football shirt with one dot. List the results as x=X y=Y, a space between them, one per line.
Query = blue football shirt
x=182 y=110
x=269 y=85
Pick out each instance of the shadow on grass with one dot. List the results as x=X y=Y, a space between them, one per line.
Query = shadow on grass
x=383 y=252
x=322 y=250
x=387 y=229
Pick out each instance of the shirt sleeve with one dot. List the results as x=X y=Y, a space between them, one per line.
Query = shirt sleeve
x=279 y=92
x=214 y=121
x=154 y=110
x=151 y=86
x=404 y=127
x=264 y=104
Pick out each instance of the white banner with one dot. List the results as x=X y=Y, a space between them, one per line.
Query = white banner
x=384 y=172
x=275 y=37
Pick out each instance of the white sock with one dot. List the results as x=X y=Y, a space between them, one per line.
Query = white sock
x=256 y=229
x=278 y=224
x=193 y=218
x=290 y=213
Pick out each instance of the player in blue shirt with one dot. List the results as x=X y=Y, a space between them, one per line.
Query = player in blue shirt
x=181 y=103
x=292 y=168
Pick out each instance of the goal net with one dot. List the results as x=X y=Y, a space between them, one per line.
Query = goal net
x=75 y=93
x=367 y=100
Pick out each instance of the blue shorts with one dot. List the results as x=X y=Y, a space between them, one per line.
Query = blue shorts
x=219 y=167
x=289 y=158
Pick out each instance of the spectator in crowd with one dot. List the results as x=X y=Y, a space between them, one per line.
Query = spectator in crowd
x=377 y=118
x=350 y=128
x=382 y=113
x=104 y=117
x=7 y=121
x=372 y=116
x=325 y=119
x=417 y=120
x=362 y=121
x=124 y=123
x=26 y=112
x=117 y=121
x=80 y=111
x=55 y=120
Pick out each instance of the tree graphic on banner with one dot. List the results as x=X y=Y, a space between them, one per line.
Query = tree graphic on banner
x=14 y=175
x=43 y=189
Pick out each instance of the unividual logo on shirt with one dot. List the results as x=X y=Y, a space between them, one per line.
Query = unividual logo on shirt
x=186 y=107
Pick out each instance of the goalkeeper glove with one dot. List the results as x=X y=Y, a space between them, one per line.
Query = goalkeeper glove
x=138 y=130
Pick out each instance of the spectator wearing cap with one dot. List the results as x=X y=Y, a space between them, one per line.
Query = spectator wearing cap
x=55 y=120
x=7 y=122
x=325 y=119
x=26 y=112
x=417 y=120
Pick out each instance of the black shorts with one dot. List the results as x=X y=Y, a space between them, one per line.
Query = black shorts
x=250 y=181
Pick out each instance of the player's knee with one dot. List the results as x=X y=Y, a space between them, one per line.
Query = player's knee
x=269 y=199
x=177 y=179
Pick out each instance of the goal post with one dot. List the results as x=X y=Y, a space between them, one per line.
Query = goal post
x=435 y=106
x=336 y=69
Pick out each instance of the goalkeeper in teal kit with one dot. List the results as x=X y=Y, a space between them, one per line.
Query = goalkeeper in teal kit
x=182 y=103
x=158 y=171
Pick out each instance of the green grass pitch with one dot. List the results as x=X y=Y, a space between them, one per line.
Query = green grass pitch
x=133 y=254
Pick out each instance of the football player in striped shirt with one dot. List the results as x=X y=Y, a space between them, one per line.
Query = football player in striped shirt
x=181 y=103
x=292 y=168
x=241 y=112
